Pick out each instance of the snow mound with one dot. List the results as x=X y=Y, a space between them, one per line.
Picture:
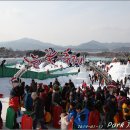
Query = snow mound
x=117 y=71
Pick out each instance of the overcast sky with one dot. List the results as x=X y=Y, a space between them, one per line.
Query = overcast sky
x=65 y=22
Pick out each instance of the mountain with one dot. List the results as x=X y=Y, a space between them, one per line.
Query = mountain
x=28 y=44
x=92 y=46
x=95 y=46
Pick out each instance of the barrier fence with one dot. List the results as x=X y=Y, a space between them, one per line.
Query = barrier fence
x=9 y=72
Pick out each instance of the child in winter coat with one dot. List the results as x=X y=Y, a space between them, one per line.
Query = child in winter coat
x=81 y=120
x=64 y=123
x=72 y=111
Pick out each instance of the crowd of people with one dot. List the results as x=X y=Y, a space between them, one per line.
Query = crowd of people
x=86 y=107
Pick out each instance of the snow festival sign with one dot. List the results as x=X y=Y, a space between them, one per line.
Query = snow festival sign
x=52 y=56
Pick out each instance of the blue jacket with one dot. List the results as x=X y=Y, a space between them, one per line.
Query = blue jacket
x=72 y=113
x=81 y=120
x=28 y=102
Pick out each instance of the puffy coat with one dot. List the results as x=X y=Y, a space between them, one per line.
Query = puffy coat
x=38 y=111
x=93 y=120
x=14 y=103
x=81 y=120
x=56 y=98
x=72 y=113
x=28 y=102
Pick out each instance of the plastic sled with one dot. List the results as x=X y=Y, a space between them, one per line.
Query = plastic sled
x=10 y=118
x=70 y=125
x=26 y=122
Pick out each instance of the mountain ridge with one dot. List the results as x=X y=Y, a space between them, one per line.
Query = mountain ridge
x=33 y=44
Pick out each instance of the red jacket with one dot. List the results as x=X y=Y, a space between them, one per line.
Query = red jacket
x=93 y=120
x=14 y=103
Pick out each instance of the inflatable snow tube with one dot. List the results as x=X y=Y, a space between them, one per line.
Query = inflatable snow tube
x=47 y=117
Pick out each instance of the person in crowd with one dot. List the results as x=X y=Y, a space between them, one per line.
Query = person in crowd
x=121 y=99
x=78 y=95
x=56 y=96
x=28 y=101
x=84 y=85
x=64 y=92
x=63 y=121
x=22 y=87
x=50 y=85
x=39 y=88
x=94 y=117
x=72 y=111
x=48 y=101
x=71 y=84
x=56 y=82
x=33 y=86
x=90 y=77
x=38 y=111
x=14 y=100
x=81 y=120
x=125 y=80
